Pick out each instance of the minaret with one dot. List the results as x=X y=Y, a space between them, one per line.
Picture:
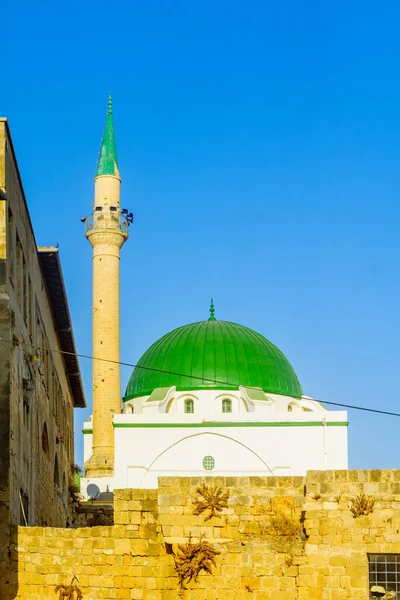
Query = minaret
x=107 y=231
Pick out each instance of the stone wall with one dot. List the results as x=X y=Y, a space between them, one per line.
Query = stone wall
x=5 y=358
x=39 y=395
x=92 y=515
x=34 y=389
x=280 y=538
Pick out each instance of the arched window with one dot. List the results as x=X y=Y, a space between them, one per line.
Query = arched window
x=45 y=439
x=56 y=473
x=189 y=406
x=226 y=405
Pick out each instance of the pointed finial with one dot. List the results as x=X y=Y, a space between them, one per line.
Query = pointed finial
x=212 y=311
x=107 y=163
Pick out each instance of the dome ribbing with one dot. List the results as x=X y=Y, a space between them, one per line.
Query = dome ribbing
x=213 y=355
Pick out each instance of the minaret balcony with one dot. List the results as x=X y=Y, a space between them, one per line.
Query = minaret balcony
x=103 y=221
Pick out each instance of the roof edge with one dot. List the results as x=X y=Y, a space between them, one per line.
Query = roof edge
x=50 y=263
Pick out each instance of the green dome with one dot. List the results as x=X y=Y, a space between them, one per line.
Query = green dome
x=216 y=355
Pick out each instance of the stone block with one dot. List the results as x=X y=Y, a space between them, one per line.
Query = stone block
x=122 y=546
x=338 y=560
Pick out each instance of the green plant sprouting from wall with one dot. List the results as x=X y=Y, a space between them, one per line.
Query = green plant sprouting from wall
x=69 y=592
x=193 y=558
x=361 y=505
x=212 y=498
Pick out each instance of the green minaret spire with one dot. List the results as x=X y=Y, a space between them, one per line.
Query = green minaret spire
x=108 y=161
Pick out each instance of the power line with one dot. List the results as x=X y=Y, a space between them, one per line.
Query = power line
x=217 y=381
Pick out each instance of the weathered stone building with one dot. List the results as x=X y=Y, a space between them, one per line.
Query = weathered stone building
x=39 y=385
x=328 y=536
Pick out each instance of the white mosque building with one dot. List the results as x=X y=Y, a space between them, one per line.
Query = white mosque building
x=211 y=398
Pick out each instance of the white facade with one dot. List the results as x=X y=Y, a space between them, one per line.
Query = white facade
x=264 y=434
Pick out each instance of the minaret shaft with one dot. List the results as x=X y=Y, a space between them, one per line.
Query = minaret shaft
x=106 y=230
x=106 y=242
x=106 y=344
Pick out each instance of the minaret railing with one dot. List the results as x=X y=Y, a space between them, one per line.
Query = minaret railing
x=106 y=221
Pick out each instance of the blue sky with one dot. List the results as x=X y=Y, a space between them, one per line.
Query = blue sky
x=259 y=146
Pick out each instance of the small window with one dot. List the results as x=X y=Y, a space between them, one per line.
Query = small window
x=56 y=473
x=189 y=406
x=208 y=463
x=384 y=575
x=45 y=439
x=25 y=401
x=11 y=247
x=226 y=405
x=23 y=508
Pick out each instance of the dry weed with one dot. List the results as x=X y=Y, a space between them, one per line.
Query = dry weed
x=194 y=558
x=212 y=498
x=361 y=505
x=69 y=592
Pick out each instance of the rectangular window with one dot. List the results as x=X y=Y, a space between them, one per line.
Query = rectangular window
x=23 y=508
x=28 y=309
x=226 y=406
x=37 y=325
x=68 y=443
x=24 y=289
x=189 y=406
x=42 y=353
x=39 y=339
x=18 y=269
x=32 y=314
x=26 y=410
x=11 y=247
x=384 y=575
x=48 y=370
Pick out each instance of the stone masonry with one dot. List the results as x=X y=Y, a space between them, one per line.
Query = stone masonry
x=36 y=396
x=280 y=538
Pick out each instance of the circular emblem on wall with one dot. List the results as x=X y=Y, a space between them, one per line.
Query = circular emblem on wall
x=208 y=463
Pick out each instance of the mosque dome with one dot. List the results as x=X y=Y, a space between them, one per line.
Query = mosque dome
x=213 y=355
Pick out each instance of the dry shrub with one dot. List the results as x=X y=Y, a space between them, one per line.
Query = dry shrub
x=194 y=558
x=74 y=493
x=361 y=505
x=285 y=532
x=69 y=592
x=212 y=498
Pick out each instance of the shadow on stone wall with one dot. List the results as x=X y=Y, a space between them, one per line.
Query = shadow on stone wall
x=9 y=563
